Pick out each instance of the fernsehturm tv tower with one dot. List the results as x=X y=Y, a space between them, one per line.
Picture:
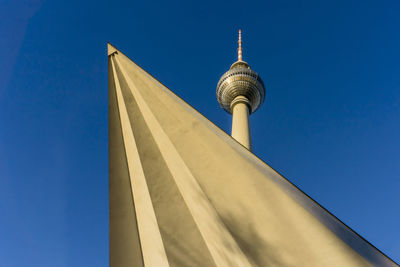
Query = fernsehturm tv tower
x=240 y=91
x=184 y=193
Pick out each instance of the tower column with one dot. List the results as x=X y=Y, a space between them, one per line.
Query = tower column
x=240 y=121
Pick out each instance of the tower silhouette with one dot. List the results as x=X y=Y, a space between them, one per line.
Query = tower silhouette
x=240 y=91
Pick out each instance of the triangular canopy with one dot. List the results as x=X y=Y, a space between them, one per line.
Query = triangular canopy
x=184 y=193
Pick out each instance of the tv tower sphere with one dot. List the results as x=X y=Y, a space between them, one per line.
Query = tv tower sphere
x=240 y=80
x=240 y=91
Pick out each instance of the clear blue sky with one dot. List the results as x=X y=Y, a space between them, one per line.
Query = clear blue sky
x=330 y=123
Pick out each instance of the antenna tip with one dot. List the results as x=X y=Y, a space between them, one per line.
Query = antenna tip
x=240 y=46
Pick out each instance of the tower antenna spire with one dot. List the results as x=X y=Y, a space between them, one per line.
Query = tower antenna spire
x=240 y=46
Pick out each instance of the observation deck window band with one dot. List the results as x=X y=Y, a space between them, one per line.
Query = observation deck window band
x=240 y=99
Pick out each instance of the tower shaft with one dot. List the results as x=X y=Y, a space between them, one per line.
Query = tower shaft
x=240 y=121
